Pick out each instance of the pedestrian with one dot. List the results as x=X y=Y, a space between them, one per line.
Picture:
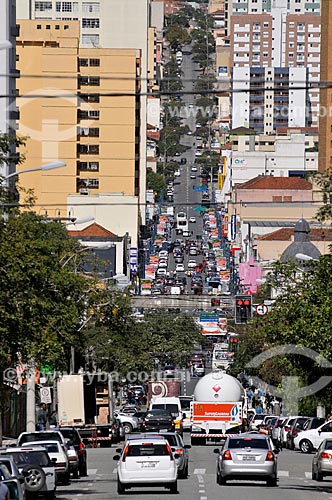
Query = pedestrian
x=42 y=417
x=259 y=410
x=4 y=492
x=53 y=419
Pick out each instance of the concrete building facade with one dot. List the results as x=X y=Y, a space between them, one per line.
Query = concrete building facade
x=92 y=123
x=260 y=99
x=325 y=121
x=8 y=76
x=278 y=33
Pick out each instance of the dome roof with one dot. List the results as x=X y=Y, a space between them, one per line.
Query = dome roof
x=301 y=243
x=219 y=387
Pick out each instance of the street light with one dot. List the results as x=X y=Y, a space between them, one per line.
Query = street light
x=303 y=256
x=5 y=44
x=48 y=166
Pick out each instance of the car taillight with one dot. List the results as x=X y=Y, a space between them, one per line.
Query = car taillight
x=295 y=432
x=169 y=449
x=286 y=429
x=179 y=451
x=125 y=453
x=227 y=455
x=324 y=454
x=269 y=457
x=80 y=448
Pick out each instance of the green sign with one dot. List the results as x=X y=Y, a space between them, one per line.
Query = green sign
x=199 y=209
x=207 y=316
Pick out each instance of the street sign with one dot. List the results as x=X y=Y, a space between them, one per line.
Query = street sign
x=200 y=189
x=45 y=395
x=262 y=309
x=199 y=208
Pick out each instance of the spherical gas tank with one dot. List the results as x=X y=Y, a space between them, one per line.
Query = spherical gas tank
x=219 y=387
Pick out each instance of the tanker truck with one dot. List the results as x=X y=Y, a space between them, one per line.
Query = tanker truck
x=217 y=408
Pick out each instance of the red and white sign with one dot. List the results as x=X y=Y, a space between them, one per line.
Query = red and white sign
x=262 y=309
x=223 y=412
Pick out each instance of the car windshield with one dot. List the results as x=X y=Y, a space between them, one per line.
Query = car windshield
x=185 y=404
x=158 y=413
x=146 y=450
x=71 y=435
x=31 y=458
x=248 y=442
x=172 y=409
x=170 y=438
x=40 y=436
x=51 y=447
x=328 y=445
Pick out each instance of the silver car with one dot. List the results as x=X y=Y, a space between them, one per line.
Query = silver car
x=322 y=461
x=247 y=456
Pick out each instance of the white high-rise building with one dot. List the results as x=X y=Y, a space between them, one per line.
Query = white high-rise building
x=8 y=75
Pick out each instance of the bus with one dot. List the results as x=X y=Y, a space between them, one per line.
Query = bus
x=181 y=222
x=221 y=357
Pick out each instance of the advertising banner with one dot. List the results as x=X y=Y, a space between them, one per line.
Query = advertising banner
x=223 y=412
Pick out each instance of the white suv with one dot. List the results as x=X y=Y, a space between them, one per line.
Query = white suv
x=37 y=468
x=306 y=441
x=146 y=462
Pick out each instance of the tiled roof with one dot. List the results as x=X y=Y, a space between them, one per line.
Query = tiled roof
x=93 y=230
x=270 y=182
x=286 y=233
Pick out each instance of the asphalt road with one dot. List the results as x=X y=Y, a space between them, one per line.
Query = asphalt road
x=294 y=480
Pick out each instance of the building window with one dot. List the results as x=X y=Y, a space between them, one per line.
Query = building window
x=88 y=166
x=288 y=198
x=90 y=40
x=38 y=28
x=94 y=62
x=87 y=149
x=57 y=27
x=67 y=7
x=83 y=62
x=88 y=132
x=66 y=27
x=90 y=7
x=277 y=199
x=48 y=26
x=58 y=6
x=94 y=114
x=43 y=6
x=90 y=23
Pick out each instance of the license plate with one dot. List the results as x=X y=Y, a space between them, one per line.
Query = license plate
x=248 y=458
x=147 y=465
x=163 y=430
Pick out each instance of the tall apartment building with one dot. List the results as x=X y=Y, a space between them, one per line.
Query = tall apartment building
x=107 y=24
x=277 y=33
x=8 y=75
x=86 y=123
x=325 y=120
x=263 y=98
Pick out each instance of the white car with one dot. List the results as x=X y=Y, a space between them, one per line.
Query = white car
x=163 y=254
x=144 y=462
x=161 y=271
x=177 y=173
x=162 y=263
x=307 y=441
x=194 y=168
x=179 y=268
x=57 y=452
x=192 y=264
x=192 y=219
x=37 y=469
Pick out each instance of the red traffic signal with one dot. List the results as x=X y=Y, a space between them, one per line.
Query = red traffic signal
x=239 y=302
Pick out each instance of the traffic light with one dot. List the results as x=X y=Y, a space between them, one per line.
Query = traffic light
x=233 y=344
x=243 y=309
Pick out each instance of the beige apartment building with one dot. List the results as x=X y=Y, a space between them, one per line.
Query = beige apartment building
x=77 y=105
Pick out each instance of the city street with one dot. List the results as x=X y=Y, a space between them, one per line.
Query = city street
x=294 y=480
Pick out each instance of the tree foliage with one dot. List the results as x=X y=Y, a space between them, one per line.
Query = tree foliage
x=155 y=181
x=302 y=316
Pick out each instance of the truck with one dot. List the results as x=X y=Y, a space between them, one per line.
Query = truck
x=84 y=402
x=163 y=388
x=217 y=408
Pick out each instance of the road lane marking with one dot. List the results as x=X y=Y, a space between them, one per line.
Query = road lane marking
x=93 y=472
x=115 y=470
x=199 y=471
x=283 y=473
x=307 y=475
x=201 y=491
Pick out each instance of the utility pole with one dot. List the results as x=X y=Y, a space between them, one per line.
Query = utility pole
x=31 y=398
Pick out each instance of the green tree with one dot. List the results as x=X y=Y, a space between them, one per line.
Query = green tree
x=156 y=182
x=324 y=181
x=177 y=36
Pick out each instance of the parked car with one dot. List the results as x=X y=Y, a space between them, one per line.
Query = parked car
x=129 y=422
x=158 y=420
x=322 y=461
x=285 y=428
x=307 y=441
x=276 y=430
x=313 y=423
x=179 y=268
x=118 y=433
x=75 y=438
x=256 y=421
x=58 y=454
x=191 y=264
x=145 y=462
x=247 y=456
x=52 y=435
x=37 y=468
x=9 y=474
x=295 y=428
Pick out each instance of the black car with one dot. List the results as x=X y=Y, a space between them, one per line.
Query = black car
x=74 y=436
x=158 y=420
